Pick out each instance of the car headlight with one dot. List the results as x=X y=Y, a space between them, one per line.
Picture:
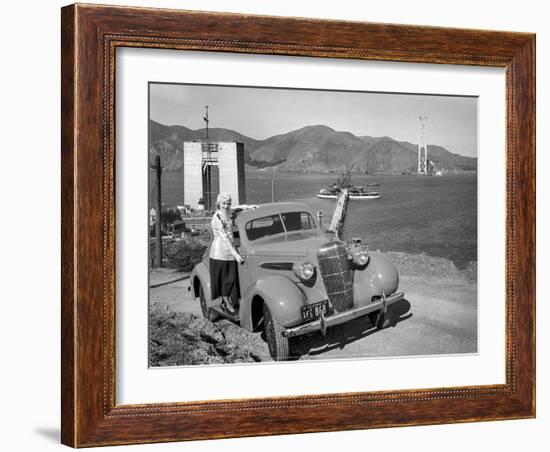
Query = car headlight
x=304 y=270
x=359 y=256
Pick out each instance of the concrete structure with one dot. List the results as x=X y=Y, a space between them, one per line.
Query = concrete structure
x=192 y=173
x=231 y=171
x=211 y=168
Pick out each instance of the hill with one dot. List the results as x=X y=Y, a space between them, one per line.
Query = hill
x=312 y=148
x=167 y=141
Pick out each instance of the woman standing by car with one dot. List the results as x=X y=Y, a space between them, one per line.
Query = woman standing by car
x=224 y=280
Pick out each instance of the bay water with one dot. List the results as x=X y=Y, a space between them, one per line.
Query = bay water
x=435 y=215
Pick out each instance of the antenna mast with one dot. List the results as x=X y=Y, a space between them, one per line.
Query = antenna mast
x=206 y=120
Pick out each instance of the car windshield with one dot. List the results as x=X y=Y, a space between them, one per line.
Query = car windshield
x=298 y=221
x=272 y=224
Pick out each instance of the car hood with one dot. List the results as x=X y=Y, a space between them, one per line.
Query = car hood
x=295 y=244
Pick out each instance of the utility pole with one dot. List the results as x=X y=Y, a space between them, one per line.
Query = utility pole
x=208 y=169
x=158 y=204
x=206 y=120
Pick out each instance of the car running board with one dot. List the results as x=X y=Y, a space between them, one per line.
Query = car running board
x=225 y=315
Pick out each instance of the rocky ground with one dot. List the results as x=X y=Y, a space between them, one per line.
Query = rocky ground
x=179 y=335
x=182 y=338
x=437 y=316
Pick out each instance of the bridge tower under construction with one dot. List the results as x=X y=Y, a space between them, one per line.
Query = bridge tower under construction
x=210 y=168
x=422 y=168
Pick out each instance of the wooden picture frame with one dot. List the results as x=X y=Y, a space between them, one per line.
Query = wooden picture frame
x=90 y=36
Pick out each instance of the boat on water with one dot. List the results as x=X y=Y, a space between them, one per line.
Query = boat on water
x=354 y=192
x=356 y=195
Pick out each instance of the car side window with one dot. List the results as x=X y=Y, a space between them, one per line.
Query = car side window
x=264 y=227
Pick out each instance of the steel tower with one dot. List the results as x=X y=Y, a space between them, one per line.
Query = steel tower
x=422 y=146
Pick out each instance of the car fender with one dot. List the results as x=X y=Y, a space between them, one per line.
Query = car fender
x=380 y=275
x=200 y=274
x=283 y=297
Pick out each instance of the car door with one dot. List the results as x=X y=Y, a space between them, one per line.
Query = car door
x=245 y=277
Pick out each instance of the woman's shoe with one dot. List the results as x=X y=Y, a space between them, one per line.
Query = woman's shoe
x=228 y=308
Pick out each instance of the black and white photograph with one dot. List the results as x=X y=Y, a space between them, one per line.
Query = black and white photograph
x=293 y=224
x=269 y=226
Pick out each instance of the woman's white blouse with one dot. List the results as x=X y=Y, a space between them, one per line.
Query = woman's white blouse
x=222 y=243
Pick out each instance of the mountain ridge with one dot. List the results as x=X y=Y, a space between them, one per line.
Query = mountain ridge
x=313 y=148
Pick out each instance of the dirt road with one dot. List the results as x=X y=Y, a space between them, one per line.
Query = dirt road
x=437 y=316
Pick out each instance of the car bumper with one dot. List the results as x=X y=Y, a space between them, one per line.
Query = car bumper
x=323 y=323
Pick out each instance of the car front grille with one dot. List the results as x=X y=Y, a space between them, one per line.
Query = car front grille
x=334 y=269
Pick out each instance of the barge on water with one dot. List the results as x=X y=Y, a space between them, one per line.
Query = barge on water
x=356 y=193
x=344 y=183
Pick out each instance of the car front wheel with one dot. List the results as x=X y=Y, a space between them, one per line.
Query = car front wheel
x=277 y=343
x=207 y=313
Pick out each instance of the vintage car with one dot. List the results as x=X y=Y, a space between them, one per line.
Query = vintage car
x=297 y=279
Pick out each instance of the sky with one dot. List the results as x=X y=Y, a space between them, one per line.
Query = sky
x=263 y=112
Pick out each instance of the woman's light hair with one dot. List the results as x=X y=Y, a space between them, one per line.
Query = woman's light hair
x=223 y=197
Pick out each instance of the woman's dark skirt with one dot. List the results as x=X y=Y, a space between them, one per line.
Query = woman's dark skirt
x=224 y=279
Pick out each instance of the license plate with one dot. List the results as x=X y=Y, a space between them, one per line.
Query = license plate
x=313 y=311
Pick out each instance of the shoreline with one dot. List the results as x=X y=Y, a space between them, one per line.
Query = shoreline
x=270 y=169
x=422 y=264
x=408 y=264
